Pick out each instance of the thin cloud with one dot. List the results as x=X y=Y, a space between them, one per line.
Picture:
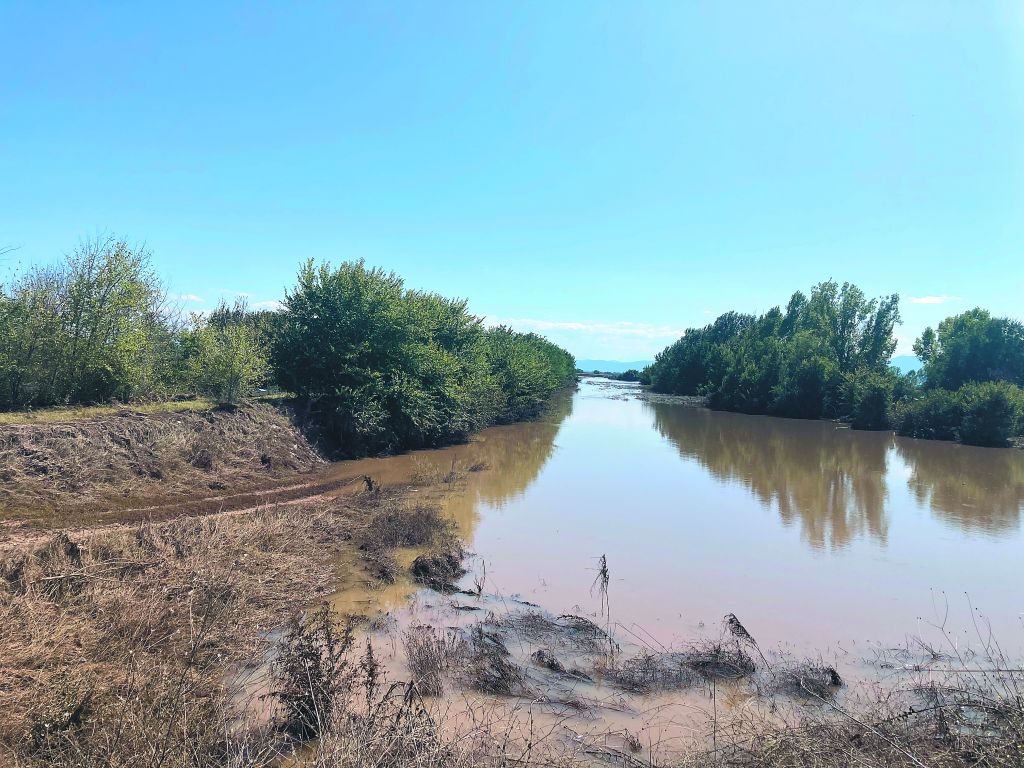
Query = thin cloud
x=623 y=328
x=931 y=299
x=273 y=305
x=190 y=297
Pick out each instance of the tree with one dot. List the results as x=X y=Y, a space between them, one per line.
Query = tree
x=991 y=412
x=807 y=361
x=387 y=368
x=972 y=346
x=227 y=360
x=91 y=329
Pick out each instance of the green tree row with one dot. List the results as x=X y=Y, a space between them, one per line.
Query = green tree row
x=378 y=367
x=827 y=355
x=383 y=367
x=972 y=378
x=93 y=328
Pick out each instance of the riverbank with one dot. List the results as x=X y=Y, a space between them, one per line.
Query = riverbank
x=133 y=464
x=519 y=660
x=197 y=642
x=117 y=646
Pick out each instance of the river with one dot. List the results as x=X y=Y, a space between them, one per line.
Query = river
x=875 y=554
x=812 y=533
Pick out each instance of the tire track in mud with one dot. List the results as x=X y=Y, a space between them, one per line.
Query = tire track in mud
x=25 y=531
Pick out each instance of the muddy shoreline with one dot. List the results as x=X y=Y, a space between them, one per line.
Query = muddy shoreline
x=578 y=686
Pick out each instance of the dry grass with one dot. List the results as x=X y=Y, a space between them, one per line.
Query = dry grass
x=430 y=655
x=127 y=457
x=85 y=412
x=961 y=727
x=117 y=648
x=440 y=568
x=389 y=523
x=397 y=525
x=112 y=647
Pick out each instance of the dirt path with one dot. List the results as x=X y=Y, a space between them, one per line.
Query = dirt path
x=99 y=517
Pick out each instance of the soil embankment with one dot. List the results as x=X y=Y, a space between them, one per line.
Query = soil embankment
x=79 y=472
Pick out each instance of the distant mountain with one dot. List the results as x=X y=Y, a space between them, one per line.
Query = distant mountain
x=905 y=363
x=611 y=366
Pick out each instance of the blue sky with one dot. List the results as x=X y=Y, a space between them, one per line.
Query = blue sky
x=605 y=173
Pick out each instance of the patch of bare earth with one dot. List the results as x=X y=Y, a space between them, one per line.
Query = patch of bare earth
x=62 y=471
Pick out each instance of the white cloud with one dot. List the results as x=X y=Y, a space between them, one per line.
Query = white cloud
x=273 y=305
x=623 y=328
x=904 y=345
x=620 y=340
x=931 y=299
x=190 y=297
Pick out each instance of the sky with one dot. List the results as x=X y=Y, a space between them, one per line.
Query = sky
x=607 y=174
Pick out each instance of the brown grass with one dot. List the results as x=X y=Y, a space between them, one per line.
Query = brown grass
x=85 y=412
x=430 y=655
x=127 y=458
x=105 y=638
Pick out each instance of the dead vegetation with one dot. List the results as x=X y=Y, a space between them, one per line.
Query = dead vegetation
x=440 y=568
x=130 y=456
x=397 y=525
x=430 y=655
x=112 y=645
x=649 y=672
x=487 y=666
x=949 y=724
x=810 y=679
x=567 y=631
x=116 y=646
x=545 y=658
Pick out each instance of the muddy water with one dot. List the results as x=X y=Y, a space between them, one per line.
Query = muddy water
x=815 y=535
x=827 y=542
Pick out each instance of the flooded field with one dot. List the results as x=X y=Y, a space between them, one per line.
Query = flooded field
x=876 y=555
x=814 y=534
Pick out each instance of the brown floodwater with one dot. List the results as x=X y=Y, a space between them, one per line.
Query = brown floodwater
x=825 y=541
x=811 y=533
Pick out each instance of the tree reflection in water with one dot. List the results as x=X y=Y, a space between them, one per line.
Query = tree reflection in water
x=834 y=481
x=972 y=489
x=832 y=484
x=514 y=456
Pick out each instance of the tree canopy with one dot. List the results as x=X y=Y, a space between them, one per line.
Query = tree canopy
x=825 y=354
x=382 y=367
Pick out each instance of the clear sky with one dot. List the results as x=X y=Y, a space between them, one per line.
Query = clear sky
x=607 y=173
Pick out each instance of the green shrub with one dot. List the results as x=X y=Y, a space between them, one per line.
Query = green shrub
x=991 y=412
x=868 y=395
x=987 y=413
x=90 y=329
x=383 y=368
x=935 y=415
x=227 y=362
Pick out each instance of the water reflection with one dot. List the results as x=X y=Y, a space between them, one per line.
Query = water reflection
x=509 y=459
x=514 y=455
x=973 y=489
x=832 y=484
